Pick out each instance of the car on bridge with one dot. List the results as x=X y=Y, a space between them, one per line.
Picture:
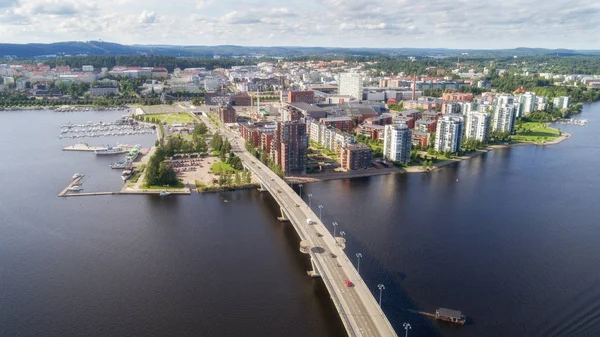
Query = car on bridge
x=348 y=283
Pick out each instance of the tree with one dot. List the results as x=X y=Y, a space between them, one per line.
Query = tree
x=238 y=179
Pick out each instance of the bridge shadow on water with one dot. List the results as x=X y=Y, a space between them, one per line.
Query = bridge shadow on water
x=290 y=246
x=396 y=303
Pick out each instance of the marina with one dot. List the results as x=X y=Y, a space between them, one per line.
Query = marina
x=122 y=127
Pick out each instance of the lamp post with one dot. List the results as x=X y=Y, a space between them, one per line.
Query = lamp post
x=335 y=224
x=381 y=287
x=406 y=327
x=309 y=199
x=358 y=256
x=320 y=212
x=300 y=185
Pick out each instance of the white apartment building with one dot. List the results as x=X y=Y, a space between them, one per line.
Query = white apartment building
x=211 y=83
x=528 y=103
x=448 y=136
x=397 y=143
x=478 y=126
x=561 y=102
x=350 y=84
x=504 y=118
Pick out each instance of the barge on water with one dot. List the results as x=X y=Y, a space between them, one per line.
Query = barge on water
x=449 y=315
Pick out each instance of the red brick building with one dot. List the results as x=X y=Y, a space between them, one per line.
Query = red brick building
x=227 y=114
x=384 y=119
x=420 y=139
x=345 y=124
x=458 y=96
x=301 y=96
x=355 y=157
x=372 y=131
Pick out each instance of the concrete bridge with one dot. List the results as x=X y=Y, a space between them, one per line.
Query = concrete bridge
x=358 y=309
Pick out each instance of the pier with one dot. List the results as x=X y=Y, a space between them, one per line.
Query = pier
x=87 y=148
x=73 y=183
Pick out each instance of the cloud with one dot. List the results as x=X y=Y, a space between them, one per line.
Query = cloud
x=344 y=23
x=148 y=17
x=204 y=3
x=7 y=3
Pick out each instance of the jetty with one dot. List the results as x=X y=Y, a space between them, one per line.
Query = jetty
x=73 y=183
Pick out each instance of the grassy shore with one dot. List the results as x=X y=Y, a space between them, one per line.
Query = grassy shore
x=535 y=132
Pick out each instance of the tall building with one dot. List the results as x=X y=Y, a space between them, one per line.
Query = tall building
x=227 y=114
x=350 y=84
x=397 y=142
x=504 y=118
x=288 y=149
x=478 y=126
x=448 y=136
x=561 y=102
x=528 y=103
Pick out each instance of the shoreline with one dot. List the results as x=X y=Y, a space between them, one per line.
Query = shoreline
x=413 y=169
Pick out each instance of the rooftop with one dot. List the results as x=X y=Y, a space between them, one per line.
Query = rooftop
x=450 y=313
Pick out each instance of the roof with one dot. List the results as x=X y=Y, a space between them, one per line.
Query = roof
x=372 y=126
x=450 y=313
x=336 y=119
x=306 y=107
x=425 y=121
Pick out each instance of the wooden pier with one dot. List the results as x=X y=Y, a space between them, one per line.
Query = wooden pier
x=75 y=181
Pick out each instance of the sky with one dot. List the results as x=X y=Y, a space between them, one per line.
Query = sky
x=475 y=24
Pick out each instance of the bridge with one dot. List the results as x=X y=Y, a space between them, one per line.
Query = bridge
x=358 y=309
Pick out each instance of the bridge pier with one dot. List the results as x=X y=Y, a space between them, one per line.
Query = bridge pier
x=283 y=217
x=313 y=273
x=262 y=188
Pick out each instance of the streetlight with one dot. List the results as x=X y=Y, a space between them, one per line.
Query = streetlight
x=381 y=287
x=300 y=185
x=320 y=212
x=358 y=256
x=406 y=327
x=335 y=224
x=309 y=198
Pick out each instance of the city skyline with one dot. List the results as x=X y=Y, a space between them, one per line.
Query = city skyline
x=332 y=23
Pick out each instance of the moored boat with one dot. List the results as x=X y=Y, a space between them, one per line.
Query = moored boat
x=449 y=315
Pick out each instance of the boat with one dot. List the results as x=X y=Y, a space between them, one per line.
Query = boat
x=77 y=175
x=121 y=165
x=126 y=174
x=110 y=150
x=449 y=315
x=134 y=153
x=164 y=193
x=75 y=188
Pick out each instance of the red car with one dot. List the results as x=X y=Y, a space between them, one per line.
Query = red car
x=348 y=283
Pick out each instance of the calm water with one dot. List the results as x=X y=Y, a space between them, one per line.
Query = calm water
x=510 y=238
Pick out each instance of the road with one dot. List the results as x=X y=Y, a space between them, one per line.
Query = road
x=358 y=309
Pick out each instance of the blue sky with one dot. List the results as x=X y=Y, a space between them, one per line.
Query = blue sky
x=339 y=23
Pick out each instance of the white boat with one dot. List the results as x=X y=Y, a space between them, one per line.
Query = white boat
x=110 y=150
x=75 y=188
x=164 y=193
x=77 y=175
x=126 y=174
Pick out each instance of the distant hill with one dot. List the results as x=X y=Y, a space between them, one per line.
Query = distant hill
x=42 y=50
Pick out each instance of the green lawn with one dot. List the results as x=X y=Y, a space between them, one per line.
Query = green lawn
x=174 y=118
x=179 y=185
x=221 y=167
x=535 y=132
